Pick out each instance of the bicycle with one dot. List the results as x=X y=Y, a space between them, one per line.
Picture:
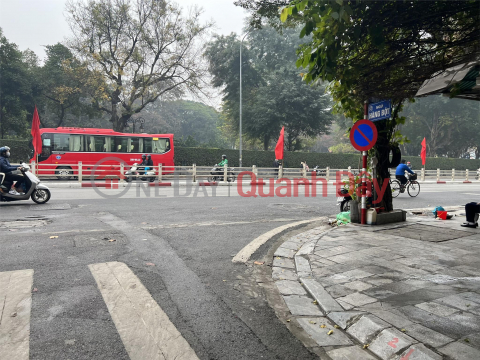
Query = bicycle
x=412 y=186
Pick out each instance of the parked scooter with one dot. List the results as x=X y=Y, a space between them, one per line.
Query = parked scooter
x=134 y=173
x=344 y=201
x=478 y=175
x=39 y=193
x=218 y=174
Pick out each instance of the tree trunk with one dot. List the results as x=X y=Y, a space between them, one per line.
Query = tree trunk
x=382 y=152
x=266 y=142
x=62 y=115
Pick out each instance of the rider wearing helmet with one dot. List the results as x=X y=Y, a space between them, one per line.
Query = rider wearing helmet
x=149 y=161
x=223 y=162
x=7 y=169
x=142 y=165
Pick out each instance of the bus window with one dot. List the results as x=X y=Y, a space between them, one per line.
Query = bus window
x=46 y=146
x=135 y=144
x=75 y=143
x=147 y=145
x=97 y=143
x=60 y=142
x=121 y=144
x=159 y=146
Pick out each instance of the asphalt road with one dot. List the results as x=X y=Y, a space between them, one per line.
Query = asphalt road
x=180 y=247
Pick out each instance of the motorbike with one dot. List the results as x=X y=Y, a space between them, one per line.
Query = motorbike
x=217 y=174
x=38 y=192
x=344 y=201
x=133 y=172
x=478 y=175
x=320 y=172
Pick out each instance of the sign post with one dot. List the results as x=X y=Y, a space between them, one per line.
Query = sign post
x=379 y=110
x=363 y=137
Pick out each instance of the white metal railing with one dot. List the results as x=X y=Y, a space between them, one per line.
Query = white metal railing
x=195 y=173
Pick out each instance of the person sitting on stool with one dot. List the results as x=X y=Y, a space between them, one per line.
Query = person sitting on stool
x=472 y=210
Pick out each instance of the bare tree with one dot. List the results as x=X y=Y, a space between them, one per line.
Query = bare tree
x=144 y=49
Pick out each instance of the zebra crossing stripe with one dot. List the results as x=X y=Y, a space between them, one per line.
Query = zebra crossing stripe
x=145 y=329
x=15 y=308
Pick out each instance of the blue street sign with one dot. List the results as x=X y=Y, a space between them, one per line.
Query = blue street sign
x=380 y=110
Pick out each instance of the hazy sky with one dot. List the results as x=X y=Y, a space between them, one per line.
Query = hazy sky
x=35 y=23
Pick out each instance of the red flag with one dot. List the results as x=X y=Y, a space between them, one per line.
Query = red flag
x=423 y=153
x=279 y=146
x=37 y=139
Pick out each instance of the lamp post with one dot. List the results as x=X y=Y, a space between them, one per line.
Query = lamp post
x=140 y=120
x=241 y=45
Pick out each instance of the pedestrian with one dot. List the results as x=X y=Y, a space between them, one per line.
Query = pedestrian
x=276 y=165
x=472 y=210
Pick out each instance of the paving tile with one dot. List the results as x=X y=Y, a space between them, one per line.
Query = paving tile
x=466 y=319
x=290 y=245
x=325 y=262
x=283 y=252
x=339 y=290
x=472 y=340
x=344 y=318
x=358 y=299
x=345 y=305
x=279 y=273
x=427 y=335
x=358 y=285
x=459 y=351
x=419 y=296
x=302 y=306
x=458 y=301
x=399 y=287
x=283 y=262
x=390 y=342
x=418 y=352
x=324 y=299
x=379 y=293
x=392 y=318
x=356 y=274
x=437 y=309
x=378 y=281
x=321 y=272
x=287 y=287
x=440 y=324
x=366 y=328
x=350 y=352
x=320 y=335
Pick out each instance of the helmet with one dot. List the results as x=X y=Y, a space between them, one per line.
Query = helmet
x=224 y=156
x=149 y=156
x=5 y=151
x=408 y=162
x=144 y=156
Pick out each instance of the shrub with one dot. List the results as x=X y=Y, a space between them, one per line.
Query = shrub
x=21 y=149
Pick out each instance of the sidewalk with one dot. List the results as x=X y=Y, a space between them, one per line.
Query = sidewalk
x=400 y=291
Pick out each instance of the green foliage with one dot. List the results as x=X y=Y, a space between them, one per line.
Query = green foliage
x=16 y=88
x=21 y=150
x=450 y=126
x=193 y=123
x=273 y=92
x=208 y=157
x=342 y=148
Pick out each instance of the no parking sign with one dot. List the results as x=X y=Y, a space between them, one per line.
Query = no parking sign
x=363 y=135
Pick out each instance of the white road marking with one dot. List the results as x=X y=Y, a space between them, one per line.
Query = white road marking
x=244 y=254
x=15 y=308
x=145 y=329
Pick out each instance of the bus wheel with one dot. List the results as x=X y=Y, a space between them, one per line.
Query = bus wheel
x=64 y=173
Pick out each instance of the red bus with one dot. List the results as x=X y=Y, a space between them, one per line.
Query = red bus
x=65 y=146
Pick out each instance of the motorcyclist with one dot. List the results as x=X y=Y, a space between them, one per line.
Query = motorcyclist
x=221 y=164
x=141 y=166
x=7 y=169
x=400 y=172
x=149 y=161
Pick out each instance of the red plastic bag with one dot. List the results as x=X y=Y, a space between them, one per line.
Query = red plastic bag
x=442 y=215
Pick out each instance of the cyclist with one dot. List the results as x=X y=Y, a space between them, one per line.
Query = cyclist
x=400 y=173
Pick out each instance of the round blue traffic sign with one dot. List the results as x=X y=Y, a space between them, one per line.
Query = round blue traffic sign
x=363 y=135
